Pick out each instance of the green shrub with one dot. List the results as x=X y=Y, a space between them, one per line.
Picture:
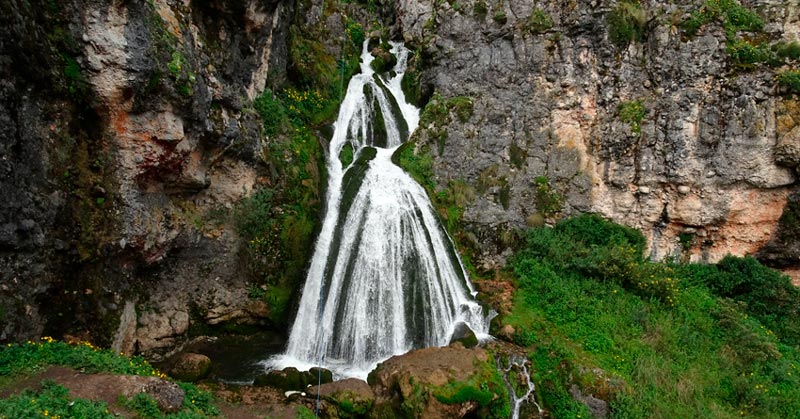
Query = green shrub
x=790 y=80
x=632 y=113
x=355 y=33
x=480 y=10
x=627 y=23
x=486 y=388
x=787 y=50
x=462 y=107
x=254 y=219
x=731 y=13
x=144 y=405
x=272 y=112
x=418 y=164
x=746 y=54
x=548 y=201
x=538 y=21
x=594 y=230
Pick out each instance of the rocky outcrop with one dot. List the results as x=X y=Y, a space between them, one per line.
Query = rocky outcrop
x=705 y=170
x=450 y=382
x=127 y=139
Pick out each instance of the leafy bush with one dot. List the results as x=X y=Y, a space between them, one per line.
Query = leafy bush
x=355 y=33
x=790 y=80
x=627 y=23
x=767 y=294
x=548 y=201
x=538 y=21
x=731 y=13
x=746 y=54
x=500 y=17
x=255 y=221
x=787 y=50
x=632 y=113
x=272 y=112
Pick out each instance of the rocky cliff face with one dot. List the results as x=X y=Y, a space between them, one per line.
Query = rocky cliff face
x=126 y=142
x=552 y=88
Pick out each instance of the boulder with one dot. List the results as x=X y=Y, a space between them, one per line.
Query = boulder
x=168 y=395
x=190 y=367
x=348 y=397
x=449 y=382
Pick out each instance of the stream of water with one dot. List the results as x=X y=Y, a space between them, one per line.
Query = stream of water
x=385 y=277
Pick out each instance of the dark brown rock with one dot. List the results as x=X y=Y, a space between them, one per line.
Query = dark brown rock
x=190 y=367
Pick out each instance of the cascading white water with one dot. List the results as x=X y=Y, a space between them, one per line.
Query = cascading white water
x=517 y=368
x=384 y=277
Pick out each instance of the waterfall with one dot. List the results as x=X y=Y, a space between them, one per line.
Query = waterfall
x=385 y=277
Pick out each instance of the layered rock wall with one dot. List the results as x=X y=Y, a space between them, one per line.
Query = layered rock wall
x=701 y=175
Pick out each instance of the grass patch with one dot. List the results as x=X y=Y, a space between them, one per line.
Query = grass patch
x=30 y=357
x=52 y=401
x=703 y=341
x=17 y=360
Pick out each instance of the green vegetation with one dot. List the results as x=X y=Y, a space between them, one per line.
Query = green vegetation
x=305 y=413
x=52 y=401
x=537 y=22
x=277 y=222
x=548 y=201
x=20 y=360
x=790 y=80
x=196 y=405
x=500 y=17
x=411 y=79
x=632 y=113
x=731 y=13
x=75 y=80
x=272 y=112
x=787 y=50
x=656 y=340
x=480 y=10
x=627 y=23
x=486 y=388
x=31 y=357
x=745 y=52
x=438 y=115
